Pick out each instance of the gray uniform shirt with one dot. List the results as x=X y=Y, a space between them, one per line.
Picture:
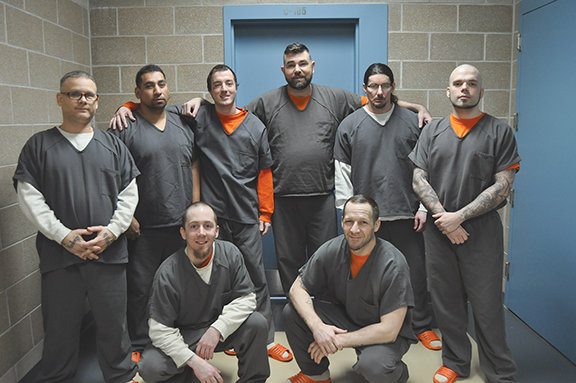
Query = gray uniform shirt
x=181 y=299
x=81 y=187
x=164 y=158
x=230 y=164
x=302 y=141
x=381 y=286
x=460 y=168
x=378 y=156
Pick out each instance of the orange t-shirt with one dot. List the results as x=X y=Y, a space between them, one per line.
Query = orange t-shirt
x=206 y=262
x=462 y=126
x=356 y=263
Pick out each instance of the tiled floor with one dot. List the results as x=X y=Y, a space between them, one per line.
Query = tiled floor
x=538 y=362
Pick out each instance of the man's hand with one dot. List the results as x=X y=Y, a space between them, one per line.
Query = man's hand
x=118 y=121
x=447 y=222
x=133 y=231
x=420 y=221
x=76 y=245
x=190 y=108
x=424 y=117
x=207 y=344
x=264 y=227
x=325 y=341
x=458 y=236
x=103 y=239
x=316 y=353
x=204 y=371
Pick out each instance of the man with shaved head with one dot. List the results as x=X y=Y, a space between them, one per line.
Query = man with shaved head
x=465 y=167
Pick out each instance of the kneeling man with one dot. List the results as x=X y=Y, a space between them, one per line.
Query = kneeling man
x=363 y=299
x=203 y=301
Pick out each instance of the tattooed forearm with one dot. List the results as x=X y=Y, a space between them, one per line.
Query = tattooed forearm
x=493 y=196
x=425 y=193
x=70 y=244
x=108 y=239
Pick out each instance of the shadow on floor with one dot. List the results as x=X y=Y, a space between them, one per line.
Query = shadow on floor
x=538 y=361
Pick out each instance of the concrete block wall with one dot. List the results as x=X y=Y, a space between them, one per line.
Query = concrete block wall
x=40 y=40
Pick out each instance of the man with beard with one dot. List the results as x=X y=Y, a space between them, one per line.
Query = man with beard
x=371 y=158
x=363 y=300
x=163 y=147
x=302 y=119
x=465 y=167
x=203 y=301
x=237 y=182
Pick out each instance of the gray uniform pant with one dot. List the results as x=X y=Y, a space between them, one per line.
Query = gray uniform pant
x=64 y=293
x=249 y=341
x=378 y=363
x=301 y=225
x=146 y=253
x=401 y=234
x=471 y=271
x=248 y=239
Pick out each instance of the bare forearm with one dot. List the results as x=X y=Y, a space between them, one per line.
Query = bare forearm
x=303 y=304
x=196 y=181
x=490 y=198
x=425 y=193
x=385 y=331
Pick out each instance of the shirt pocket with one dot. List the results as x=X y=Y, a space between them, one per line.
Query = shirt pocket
x=365 y=313
x=226 y=297
x=110 y=182
x=482 y=166
x=186 y=156
x=246 y=165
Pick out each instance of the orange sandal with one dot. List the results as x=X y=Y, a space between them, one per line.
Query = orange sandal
x=447 y=373
x=427 y=337
x=230 y=352
x=277 y=351
x=301 y=378
x=136 y=356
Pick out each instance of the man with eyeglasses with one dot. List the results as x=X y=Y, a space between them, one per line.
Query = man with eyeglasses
x=163 y=146
x=371 y=158
x=77 y=185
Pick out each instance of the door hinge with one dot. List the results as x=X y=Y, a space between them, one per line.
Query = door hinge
x=511 y=197
x=519 y=42
x=507 y=270
x=515 y=121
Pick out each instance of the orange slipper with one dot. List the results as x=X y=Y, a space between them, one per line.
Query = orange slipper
x=277 y=351
x=447 y=373
x=136 y=356
x=427 y=337
x=301 y=378
x=230 y=352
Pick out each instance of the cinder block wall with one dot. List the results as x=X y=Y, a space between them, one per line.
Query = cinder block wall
x=40 y=40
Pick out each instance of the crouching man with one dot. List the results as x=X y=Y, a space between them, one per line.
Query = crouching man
x=363 y=299
x=203 y=301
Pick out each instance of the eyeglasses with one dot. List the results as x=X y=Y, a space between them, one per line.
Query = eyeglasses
x=77 y=96
x=374 y=87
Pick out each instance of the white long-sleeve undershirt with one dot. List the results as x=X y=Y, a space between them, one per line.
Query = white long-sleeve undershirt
x=34 y=206
x=170 y=340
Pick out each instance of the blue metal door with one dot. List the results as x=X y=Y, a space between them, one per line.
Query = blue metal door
x=542 y=286
x=343 y=40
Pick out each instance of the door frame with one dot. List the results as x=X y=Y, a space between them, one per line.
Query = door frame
x=364 y=16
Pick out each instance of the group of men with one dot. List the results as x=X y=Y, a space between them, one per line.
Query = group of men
x=228 y=173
